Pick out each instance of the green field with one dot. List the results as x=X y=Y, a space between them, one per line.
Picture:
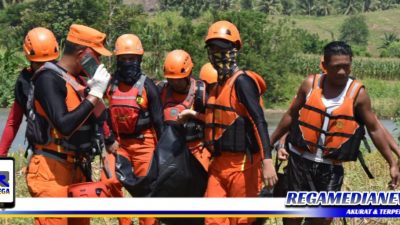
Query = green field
x=327 y=27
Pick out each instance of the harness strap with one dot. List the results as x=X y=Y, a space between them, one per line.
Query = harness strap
x=61 y=73
x=312 y=108
x=340 y=134
x=64 y=158
x=364 y=166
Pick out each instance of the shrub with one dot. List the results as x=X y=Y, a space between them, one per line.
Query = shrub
x=354 y=30
x=11 y=63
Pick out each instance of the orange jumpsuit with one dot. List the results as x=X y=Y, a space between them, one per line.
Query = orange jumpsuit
x=138 y=148
x=236 y=132
x=52 y=168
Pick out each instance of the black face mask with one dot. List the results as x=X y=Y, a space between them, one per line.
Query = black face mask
x=128 y=72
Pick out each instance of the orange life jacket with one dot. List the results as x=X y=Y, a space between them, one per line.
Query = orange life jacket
x=344 y=133
x=81 y=138
x=226 y=127
x=128 y=108
x=195 y=99
x=173 y=108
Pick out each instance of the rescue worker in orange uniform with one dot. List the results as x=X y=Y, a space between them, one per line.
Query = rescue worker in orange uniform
x=236 y=131
x=136 y=114
x=68 y=112
x=209 y=75
x=180 y=92
x=39 y=46
x=326 y=123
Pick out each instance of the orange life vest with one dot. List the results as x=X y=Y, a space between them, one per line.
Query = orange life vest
x=128 y=108
x=195 y=99
x=344 y=133
x=173 y=108
x=226 y=117
x=81 y=138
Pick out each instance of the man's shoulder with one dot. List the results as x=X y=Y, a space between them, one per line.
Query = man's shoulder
x=47 y=75
x=24 y=77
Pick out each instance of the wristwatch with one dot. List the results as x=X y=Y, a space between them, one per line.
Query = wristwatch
x=279 y=146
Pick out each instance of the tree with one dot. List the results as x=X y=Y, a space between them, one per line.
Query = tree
x=324 y=7
x=385 y=4
x=193 y=8
x=306 y=7
x=288 y=7
x=246 y=4
x=273 y=7
x=354 y=30
x=350 y=6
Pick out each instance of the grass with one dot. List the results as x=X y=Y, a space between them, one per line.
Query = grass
x=328 y=27
x=383 y=95
x=355 y=180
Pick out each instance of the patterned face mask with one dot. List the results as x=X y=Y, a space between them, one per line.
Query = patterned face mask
x=224 y=63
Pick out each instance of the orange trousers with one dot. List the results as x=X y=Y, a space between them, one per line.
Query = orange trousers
x=200 y=153
x=47 y=177
x=140 y=152
x=233 y=175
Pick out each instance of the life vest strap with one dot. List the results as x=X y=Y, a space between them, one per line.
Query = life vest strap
x=69 y=147
x=220 y=107
x=55 y=155
x=340 y=134
x=309 y=107
x=218 y=125
x=131 y=136
x=364 y=165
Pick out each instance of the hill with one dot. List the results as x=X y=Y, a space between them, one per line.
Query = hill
x=379 y=23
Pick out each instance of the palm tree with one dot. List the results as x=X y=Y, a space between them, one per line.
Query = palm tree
x=385 y=4
x=351 y=7
x=324 y=7
x=288 y=6
x=306 y=6
x=273 y=7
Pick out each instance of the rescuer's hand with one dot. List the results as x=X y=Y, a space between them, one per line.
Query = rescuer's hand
x=282 y=154
x=113 y=147
x=269 y=174
x=395 y=175
x=98 y=84
x=185 y=115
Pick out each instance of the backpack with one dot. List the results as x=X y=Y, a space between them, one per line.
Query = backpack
x=37 y=127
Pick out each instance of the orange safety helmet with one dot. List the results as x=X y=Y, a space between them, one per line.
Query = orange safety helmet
x=208 y=74
x=178 y=64
x=226 y=31
x=88 y=189
x=321 y=65
x=128 y=44
x=40 y=45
